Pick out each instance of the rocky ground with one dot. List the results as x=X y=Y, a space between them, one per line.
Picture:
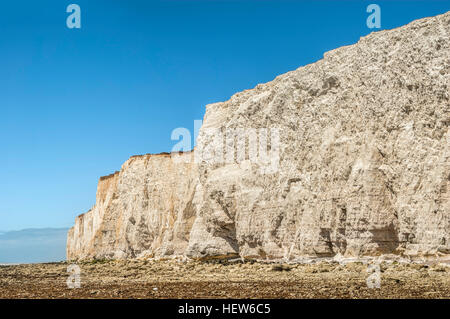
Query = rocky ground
x=176 y=279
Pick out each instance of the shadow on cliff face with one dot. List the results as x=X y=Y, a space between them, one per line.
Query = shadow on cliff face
x=223 y=202
x=386 y=238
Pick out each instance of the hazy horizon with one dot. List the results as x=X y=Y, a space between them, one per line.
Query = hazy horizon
x=33 y=245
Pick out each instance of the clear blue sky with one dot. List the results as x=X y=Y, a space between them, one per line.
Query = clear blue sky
x=75 y=104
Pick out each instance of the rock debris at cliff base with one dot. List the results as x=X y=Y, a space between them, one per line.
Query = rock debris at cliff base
x=363 y=168
x=172 y=279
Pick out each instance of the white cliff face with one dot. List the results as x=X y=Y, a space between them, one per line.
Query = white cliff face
x=144 y=210
x=363 y=169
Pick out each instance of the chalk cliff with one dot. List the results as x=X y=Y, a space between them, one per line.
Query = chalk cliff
x=360 y=165
x=144 y=210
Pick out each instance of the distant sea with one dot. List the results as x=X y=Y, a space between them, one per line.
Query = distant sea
x=33 y=246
